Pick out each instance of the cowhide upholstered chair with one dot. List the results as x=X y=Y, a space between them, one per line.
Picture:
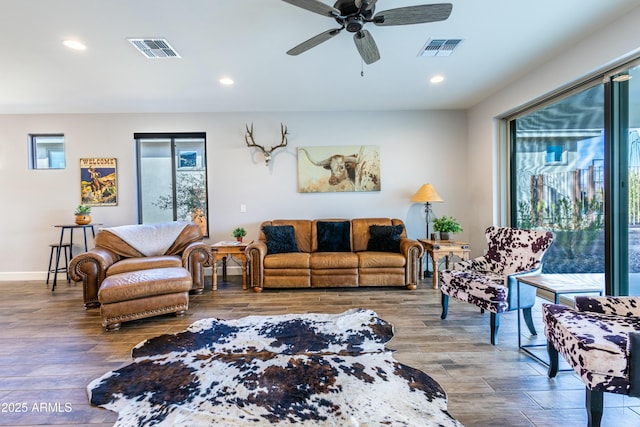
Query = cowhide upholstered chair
x=489 y=281
x=600 y=340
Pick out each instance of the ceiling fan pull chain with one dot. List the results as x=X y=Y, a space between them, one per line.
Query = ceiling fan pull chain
x=361 y=68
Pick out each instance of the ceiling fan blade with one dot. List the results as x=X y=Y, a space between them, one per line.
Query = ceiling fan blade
x=414 y=14
x=315 y=6
x=313 y=41
x=366 y=46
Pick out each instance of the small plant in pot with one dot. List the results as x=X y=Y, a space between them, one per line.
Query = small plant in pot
x=239 y=233
x=446 y=225
x=83 y=216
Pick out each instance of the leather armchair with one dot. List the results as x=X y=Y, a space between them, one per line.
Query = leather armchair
x=112 y=255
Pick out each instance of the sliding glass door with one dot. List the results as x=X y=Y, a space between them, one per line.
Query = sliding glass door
x=575 y=170
x=625 y=166
x=557 y=163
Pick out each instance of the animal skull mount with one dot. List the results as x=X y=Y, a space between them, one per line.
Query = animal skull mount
x=248 y=137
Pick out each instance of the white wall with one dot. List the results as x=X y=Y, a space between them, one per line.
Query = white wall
x=415 y=147
x=617 y=40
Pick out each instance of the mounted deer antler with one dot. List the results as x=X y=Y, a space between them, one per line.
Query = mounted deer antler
x=267 y=153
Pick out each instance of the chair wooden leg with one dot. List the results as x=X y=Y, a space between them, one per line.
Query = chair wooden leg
x=445 y=306
x=553 y=360
x=528 y=319
x=495 y=324
x=594 y=408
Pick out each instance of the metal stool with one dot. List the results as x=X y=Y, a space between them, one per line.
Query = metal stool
x=54 y=250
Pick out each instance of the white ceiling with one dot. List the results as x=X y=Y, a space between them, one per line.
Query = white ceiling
x=247 y=40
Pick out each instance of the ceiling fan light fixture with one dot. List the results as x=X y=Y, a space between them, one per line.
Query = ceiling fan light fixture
x=354 y=24
x=226 y=81
x=438 y=78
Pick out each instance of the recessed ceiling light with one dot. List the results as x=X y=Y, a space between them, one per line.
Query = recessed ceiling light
x=74 y=44
x=436 y=79
x=227 y=81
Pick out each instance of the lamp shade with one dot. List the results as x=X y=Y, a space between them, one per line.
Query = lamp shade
x=426 y=193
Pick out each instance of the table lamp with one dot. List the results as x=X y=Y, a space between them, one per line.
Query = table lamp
x=427 y=194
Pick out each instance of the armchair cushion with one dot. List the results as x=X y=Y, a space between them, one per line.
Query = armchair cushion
x=280 y=239
x=479 y=264
x=148 y=239
x=483 y=289
x=512 y=250
x=147 y=263
x=334 y=236
x=619 y=306
x=385 y=238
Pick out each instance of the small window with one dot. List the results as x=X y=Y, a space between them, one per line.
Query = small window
x=46 y=152
x=555 y=154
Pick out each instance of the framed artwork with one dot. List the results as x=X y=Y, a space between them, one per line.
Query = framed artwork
x=338 y=168
x=187 y=160
x=98 y=181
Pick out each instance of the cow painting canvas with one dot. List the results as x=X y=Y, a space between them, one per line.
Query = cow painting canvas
x=338 y=168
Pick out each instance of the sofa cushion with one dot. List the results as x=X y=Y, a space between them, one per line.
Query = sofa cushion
x=334 y=236
x=385 y=238
x=303 y=231
x=378 y=260
x=144 y=263
x=280 y=239
x=290 y=260
x=325 y=260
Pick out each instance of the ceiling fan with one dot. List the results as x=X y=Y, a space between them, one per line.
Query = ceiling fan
x=352 y=15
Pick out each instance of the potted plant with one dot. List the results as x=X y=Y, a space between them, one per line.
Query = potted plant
x=239 y=233
x=445 y=225
x=83 y=216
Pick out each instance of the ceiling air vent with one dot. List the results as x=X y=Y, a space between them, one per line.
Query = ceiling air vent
x=439 y=47
x=154 y=48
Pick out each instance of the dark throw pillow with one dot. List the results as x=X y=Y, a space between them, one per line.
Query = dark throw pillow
x=384 y=238
x=280 y=239
x=334 y=236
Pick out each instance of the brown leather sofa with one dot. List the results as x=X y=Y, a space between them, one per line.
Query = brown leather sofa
x=113 y=254
x=333 y=253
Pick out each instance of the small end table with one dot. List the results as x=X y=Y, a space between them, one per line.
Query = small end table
x=558 y=285
x=233 y=249
x=443 y=249
x=71 y=227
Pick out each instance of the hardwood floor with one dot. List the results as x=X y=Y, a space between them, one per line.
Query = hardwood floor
x=51 y=348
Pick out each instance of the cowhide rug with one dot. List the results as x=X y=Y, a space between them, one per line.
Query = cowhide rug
x=296 y=369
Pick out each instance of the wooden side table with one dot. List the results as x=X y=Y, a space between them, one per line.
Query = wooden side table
x=221 y=252
x=443 y=249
